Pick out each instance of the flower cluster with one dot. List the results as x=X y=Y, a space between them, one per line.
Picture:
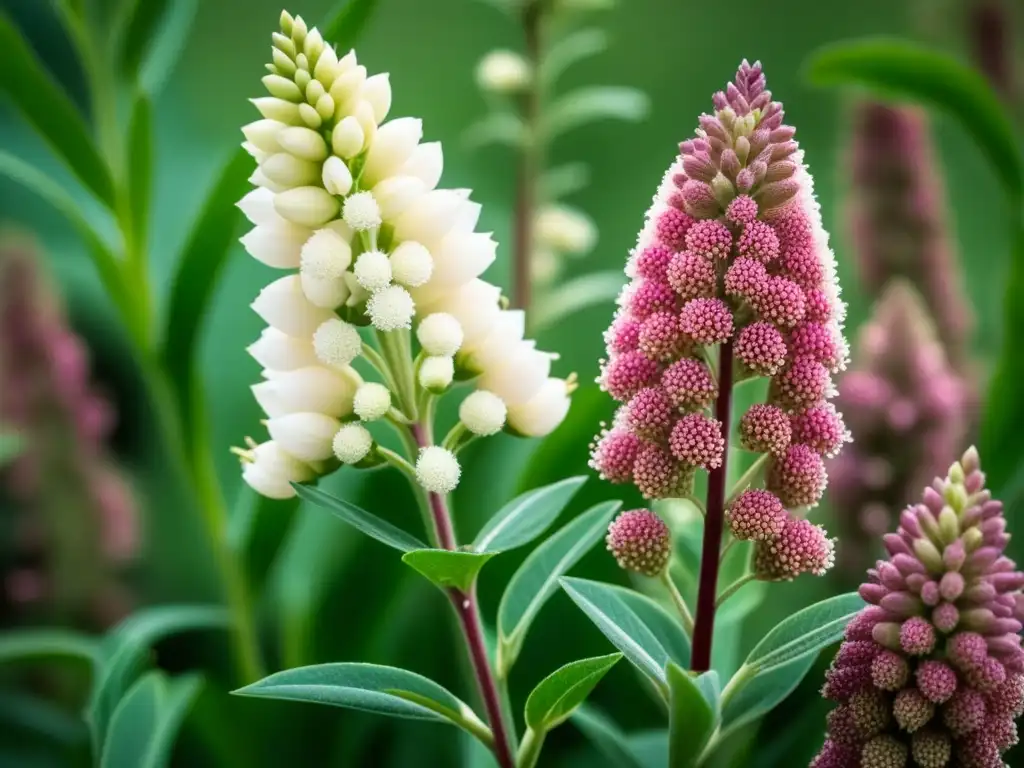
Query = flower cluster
x=931 y=673
x=733 y=254
x=351 y=201
x=904 y=405
x=640 y=541
x=70 y=540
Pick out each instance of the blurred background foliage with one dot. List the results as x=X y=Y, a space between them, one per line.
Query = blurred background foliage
x=330 y=594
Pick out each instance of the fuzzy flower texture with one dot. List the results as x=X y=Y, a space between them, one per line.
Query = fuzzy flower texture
x=931 y=673
x=733 y=254
x=352 y=202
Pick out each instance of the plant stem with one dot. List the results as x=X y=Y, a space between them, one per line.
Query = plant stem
x=467 y=609
x=677 y=598
x=714 y=522
x=529 y=750
x=732 y=589
x=530 y=160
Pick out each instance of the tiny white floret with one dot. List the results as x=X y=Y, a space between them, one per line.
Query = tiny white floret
x=411 y=264
x=361 y=212
x=503 y=72
x=440 y=334
x=437 y=470
x=325 y=255
x=483 y=413
x=352 y=443
x=372 y=401
x=391 y=308
x=436 y=373
x=337 y=343
x=373 y=270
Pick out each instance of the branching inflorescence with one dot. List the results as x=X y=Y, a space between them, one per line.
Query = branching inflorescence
x=733 y=256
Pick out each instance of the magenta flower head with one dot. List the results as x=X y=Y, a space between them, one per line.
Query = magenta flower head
x=640 y=542
x=931 y=673
x=732 y=265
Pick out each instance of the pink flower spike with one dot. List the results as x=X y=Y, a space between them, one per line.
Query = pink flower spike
x=766 y=429
x=709 y=238
x=689 y=384
x=758 y=242
x=799 y=477
x=697 y=441
x=691 y=276
x=761 y=348
x=628 y=373
x=672 y=228
x=706 y=321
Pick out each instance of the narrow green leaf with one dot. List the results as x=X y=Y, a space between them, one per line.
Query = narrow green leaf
x=123 y=654
x=908 y=71
x=18 y=645
x=45 y=105
x=34 y=716
x=805 y=632
x=161 y=58
x=564 y=180
x=140 y=168
x=561 y=692
x=622 y=625
x=447 y=568
x=195 y=280
x=502 y=128
x=762 y=693
x=527 y=516
x=367 y=687
x=11 y=446
x=692 y=718
x=257 y=531
x=661 y=623
x=537 y=578
x=359 y=518
x=606 y=736
x=141 y=25
x=145 y=724
x=572 y=49
x=593 y=103
x=575 y=295
x=346 y=22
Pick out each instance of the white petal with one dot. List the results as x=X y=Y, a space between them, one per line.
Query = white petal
x=395 y=194
x=306 y=436
x=313 y=389
x=543 y=412
x=281 y=352
x=269 y=470
x=519 y=374
x=329 y=292
x=460 y=257
x=487 y=351
x=377 y=91
x=391 y=148
x=260 y=179
x=258 y=207
x=276 y=246
x=263 y=134
x=474 y=305
x=283 y=305
x=429 y=218
x=426 y=163
x=469 y=214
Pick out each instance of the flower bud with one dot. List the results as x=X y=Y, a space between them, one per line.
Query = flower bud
x=373 y=270
x=312 y=389
x=565 y=230
x=411 y=264
x=377 y=92
x=303 y=143
x=483 y=413
x=347 y=138
x=270 y=471
x=280 y=352
x=306 y=436
x=277 y=109
x=325 y=255
x=391 y=308
x=277 y=246
x=372 y=401
x=282 y=88
x=439 y=334
x=436 y=373
x=391 y=148
x=264 y=134
x=336 y=176
x=503 y=72
x=337 y=343
x=640 y=542
x=352 y=443
x=542 y=413
x=361 y=212
x=283 y=305
x=437 y=470
x=308 y=206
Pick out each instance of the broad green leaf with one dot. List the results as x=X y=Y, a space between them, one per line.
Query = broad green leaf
x=577 y=294
x=805 y=632
x=592 y=103
x=124 y=651
x=570 y=50
x=140 y=168
x=564 y=180
x=195 y=280
x=606 y=736
x=692 y=718
x=623 y=626
x=665 y=626
x=140 y=25
x=103 y=258
x=561 y=692
x=527 y=516
x=503 y=128
x=145 y=724
x=448 y=568
x=359 y=518
x=346 y=23
x=762 y=693
x=370 y=688
x=47 y=107
x=908 y=71
x=11 y=446
x=18 y=645
x=537 y=578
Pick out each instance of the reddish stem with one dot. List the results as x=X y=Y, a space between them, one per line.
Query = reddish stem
x=468 y=612
x=714 y=523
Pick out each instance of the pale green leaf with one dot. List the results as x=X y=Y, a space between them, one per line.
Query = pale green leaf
x=360 y=519
x=571 y=49
x=21 y=645
x=692 y=717
x=503 y=128
x=448 y=569
x=527 y=516
x=593 y=103
x=160 y=60
x=575 y=295
x=563 y=180
x=762 y=693
x=561 y=692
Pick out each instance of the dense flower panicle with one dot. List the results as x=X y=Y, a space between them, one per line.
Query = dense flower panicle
x=732 y=253
x=932 y=669
x=350 y=199
x=904 y=407
x=640 y=541
x=70 y=519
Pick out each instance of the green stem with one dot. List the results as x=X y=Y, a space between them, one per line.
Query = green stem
x=529 y=750
x=677 y=599
x=732 y=589
x=396 y=349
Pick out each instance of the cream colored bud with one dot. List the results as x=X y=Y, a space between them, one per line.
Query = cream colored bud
x=278 y=109
x=391 y=148
x=304 y=143
x=299 y=30
x=437 y=470
x=519 y=375
x=483 y=413
x=306 y=436
x=325 y=106
x=314 y=389
x=503 y=72
x=259 y=179
x=542 y=413
x=310 y=116
x=391 y=308
x=436 y=373
x=270 y=471
x=373 y=270
x=326 y=69
x=313 y=45
x=347 y=138
x=361 y=212
x=377 y=91
x=284 y=63
x=283 y=305
x=308 y=206
x=263 y=134
x=348 y=84
x=439 y=334
x=282 y=88
x=352 y=443
x=284 y=45
x=288 y=171
x=329 y=293
x=337 y=178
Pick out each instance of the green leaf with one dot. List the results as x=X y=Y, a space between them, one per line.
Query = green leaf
x=162 y=56
x=661 y=623
x=564 y=180
x=575 y=295
x=692 y=717
x=496 y=128
x=11 y=446
x=908 y=71
x=359 y=518
x=370 y=688
x=195 y=280
x=527 y=516
x=141 y=24
x=622 y=625
x=606 y=736
x=47 y=107
x=762 y=693
x=257 y=531
x=537 y=578
x=593 y=103
x=805 y=632
x=145 y=724
x=561 y=692
x=19 y=645
x=570 y=50
x=448 y=568
x=346 y=22
x=140 y=168
x=123 y=654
